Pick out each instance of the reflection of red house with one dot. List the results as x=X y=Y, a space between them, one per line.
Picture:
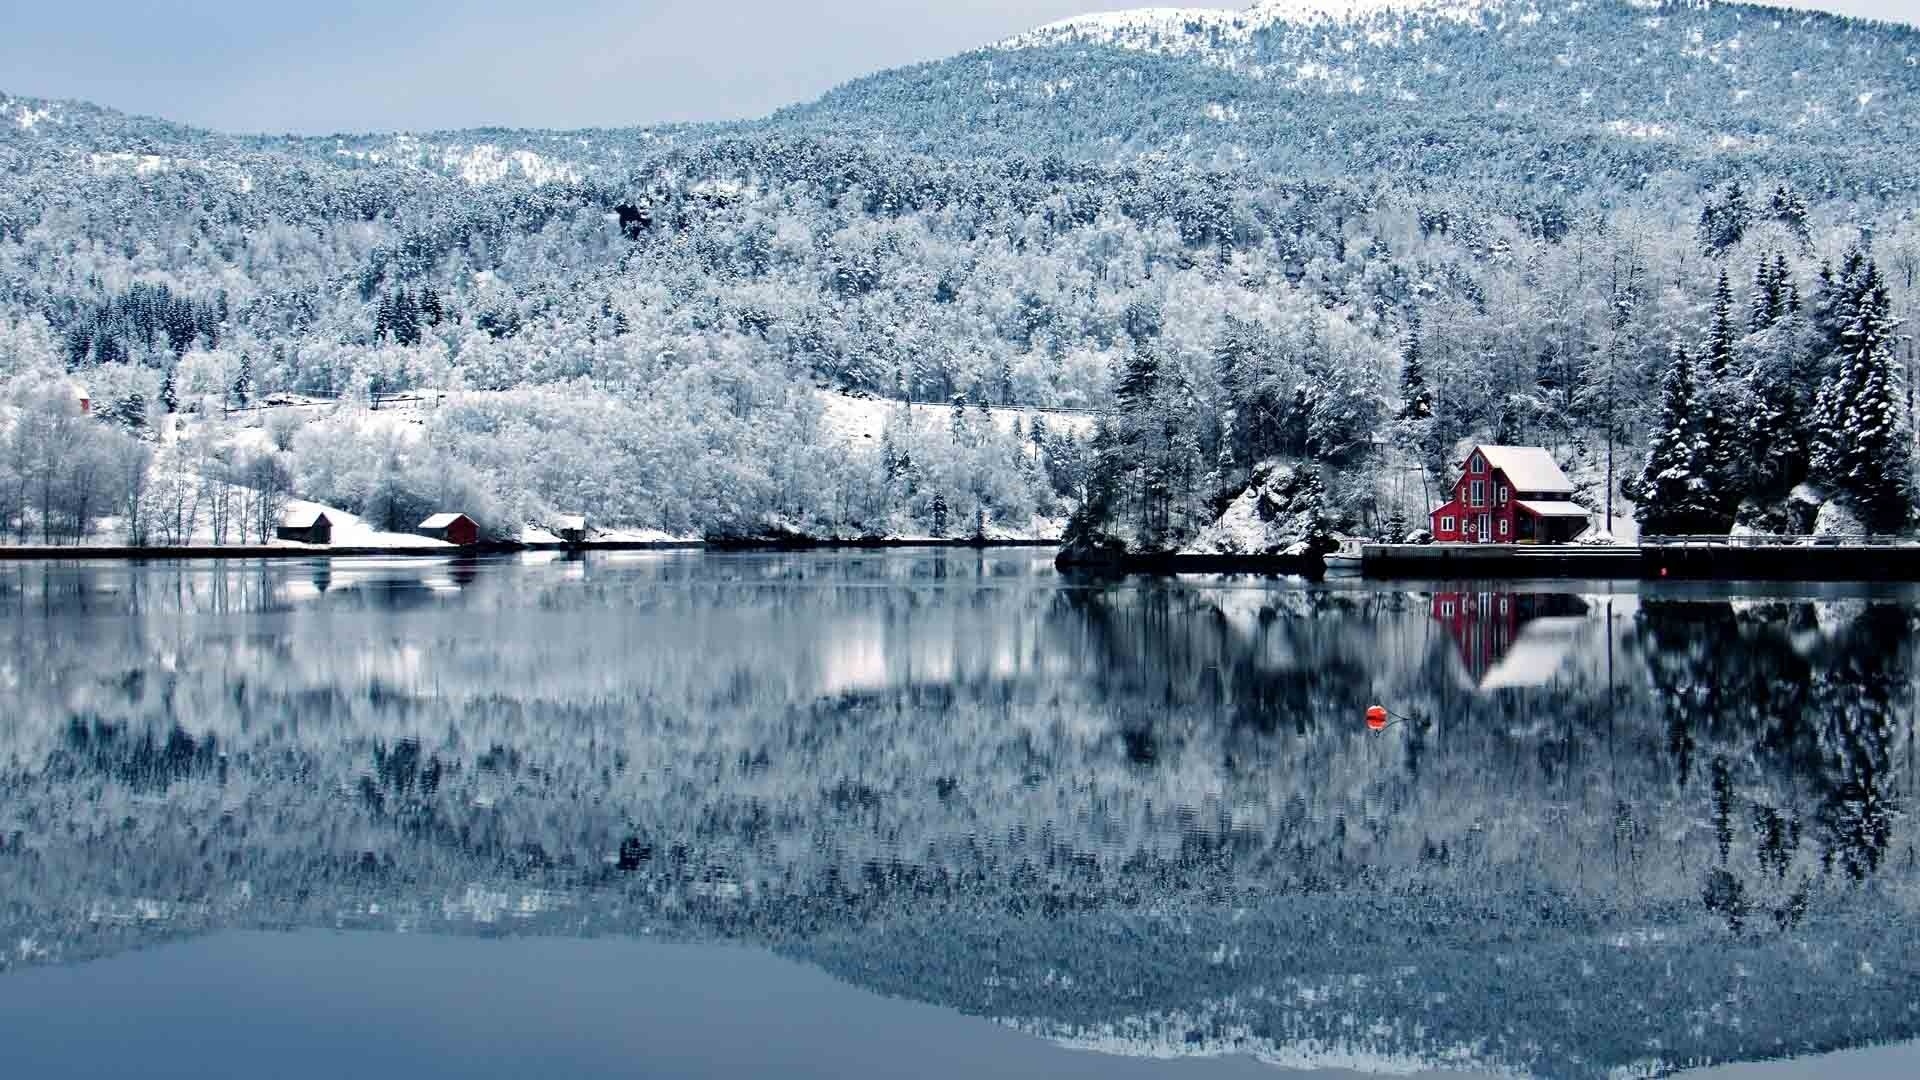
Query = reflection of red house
x=1509 y=495
x=1510 y=639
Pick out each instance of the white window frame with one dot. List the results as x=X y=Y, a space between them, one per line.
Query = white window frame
x=1478 y=464
x=1446 y=609
x=1486 y=528
x=1447 y=523
x=1503 y=526
x=1479 y=490
x=1502 y=492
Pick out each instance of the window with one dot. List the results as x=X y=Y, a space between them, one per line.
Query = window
x=1479 y=464
x=1479 y=493
x=1503 y=526
x=1503 y=494
x=1446 y=523
x=1446 y=609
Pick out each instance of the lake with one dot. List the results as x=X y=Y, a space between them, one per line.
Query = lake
x=942 y=813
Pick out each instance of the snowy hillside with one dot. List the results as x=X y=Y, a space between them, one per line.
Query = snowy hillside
x=1223 y=35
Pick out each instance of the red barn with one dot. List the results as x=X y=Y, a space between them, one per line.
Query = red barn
x=453 y=528
x=1510 y=495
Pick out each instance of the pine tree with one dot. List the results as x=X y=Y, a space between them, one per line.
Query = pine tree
x=1725 y=222
x=1416 y=401
x=1715 y=397
x=169 y=394
x=405 y=319
x=242 y=395
x=1788 y=208
x=1673 y=497
x=1778 y=384
x=1862 y=444
x=1767 y=302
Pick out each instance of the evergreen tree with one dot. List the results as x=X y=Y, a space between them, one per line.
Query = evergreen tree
x=169 y=394
x=1716 y=404
x=1724 y=223
x=1862 y=444
x=242 y=395
x=1779 y=386
x=1416 y=401
x=1766 y=302
x=406 y=319
x=1673 y=496
x=1788 y=208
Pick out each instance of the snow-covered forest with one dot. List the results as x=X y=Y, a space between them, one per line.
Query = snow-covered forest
x=1342 y=244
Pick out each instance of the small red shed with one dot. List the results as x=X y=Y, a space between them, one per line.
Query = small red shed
x=453 y=528
x=1510 y=495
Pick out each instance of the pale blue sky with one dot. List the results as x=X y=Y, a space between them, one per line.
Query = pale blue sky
x=355 y=65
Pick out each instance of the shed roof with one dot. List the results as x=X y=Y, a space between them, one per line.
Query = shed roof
x=570 y=523
x=440 y=521
x=305 y=518
x=1556 y=509
x=1528 y=468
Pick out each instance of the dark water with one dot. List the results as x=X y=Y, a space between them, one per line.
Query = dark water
x=1619 y=830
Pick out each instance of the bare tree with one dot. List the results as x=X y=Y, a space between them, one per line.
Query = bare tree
x=133 y=473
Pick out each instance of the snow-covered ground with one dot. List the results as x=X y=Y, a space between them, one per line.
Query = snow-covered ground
x=857 y=419
x=351 y=531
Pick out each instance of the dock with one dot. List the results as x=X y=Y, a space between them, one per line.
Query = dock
x=1724 y=558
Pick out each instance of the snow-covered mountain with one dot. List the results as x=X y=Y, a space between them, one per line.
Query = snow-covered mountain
x=1296 y=185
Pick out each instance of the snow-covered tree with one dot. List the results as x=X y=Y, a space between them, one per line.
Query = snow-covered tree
x=1862 y=442
x=1673 y=492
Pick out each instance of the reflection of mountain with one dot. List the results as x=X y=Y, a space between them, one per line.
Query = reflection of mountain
x=1143 y=816
x=1508 y=640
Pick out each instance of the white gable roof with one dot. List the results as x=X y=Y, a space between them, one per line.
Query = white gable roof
x=1556 y=509
x=303 y=518
x=441 y=521
x=1528 y=468
x=570 y=523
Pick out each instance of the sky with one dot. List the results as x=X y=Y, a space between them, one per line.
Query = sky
x=363 y=65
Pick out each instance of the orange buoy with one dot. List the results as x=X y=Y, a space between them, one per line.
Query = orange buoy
x=1377 y=718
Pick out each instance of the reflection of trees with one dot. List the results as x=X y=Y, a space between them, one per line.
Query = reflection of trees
x=1802 y=724
x=925 y=769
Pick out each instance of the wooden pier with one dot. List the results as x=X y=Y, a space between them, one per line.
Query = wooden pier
x=1724 y=558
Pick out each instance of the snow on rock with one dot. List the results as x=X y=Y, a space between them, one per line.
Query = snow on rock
x=1836 y=519
x=1280 y=513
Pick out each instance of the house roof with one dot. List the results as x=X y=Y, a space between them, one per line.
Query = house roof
x=1556 y=509
x=1528 y=468
x=570 y=523
x=440 y=521
x=305 y=518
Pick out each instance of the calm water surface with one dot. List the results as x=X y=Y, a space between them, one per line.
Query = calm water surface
x=941 y=813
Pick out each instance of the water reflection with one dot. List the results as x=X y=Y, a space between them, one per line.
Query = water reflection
x=1627 y=828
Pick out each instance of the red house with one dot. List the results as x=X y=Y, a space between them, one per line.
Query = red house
x=1510 y=495
x=453 y=528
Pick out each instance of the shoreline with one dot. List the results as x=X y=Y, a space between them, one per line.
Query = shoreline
x=216 y=552
x=1513 y=562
